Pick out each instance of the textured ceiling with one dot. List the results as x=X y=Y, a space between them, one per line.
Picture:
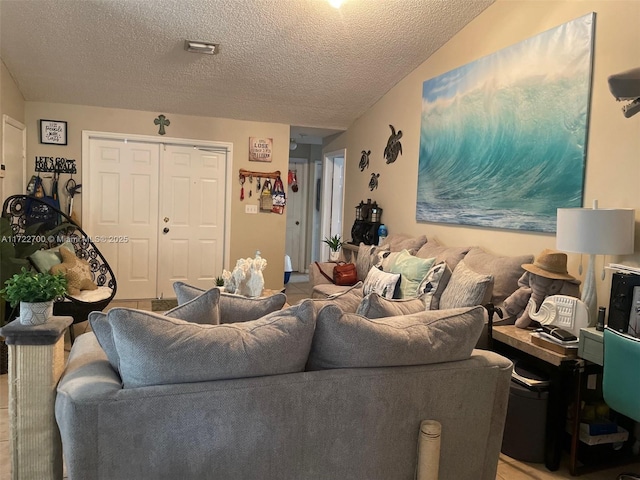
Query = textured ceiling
x=297 y=62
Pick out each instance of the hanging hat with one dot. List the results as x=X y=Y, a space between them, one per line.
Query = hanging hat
x=550 y=264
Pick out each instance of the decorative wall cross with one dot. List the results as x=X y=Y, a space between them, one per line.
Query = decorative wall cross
x=163 y=122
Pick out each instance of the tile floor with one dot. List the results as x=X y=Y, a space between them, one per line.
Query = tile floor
x=297 y=289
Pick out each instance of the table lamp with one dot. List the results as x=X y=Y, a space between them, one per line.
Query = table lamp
x=594 y=232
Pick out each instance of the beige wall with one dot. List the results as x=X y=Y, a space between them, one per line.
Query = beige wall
x=613 y=159
x=264 y=232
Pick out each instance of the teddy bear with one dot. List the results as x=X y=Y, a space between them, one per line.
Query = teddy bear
x=546 y=276
x=76 y=271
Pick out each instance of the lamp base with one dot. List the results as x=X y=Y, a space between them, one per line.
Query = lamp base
x=589 y=292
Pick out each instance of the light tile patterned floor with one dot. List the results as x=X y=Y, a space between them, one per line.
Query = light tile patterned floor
x=297 y=289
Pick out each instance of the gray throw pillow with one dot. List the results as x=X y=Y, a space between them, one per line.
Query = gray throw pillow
x=375 y=306
x=234 y=308
x=466 y=288
x=158 y=350
x=348 y=301
x=348 y=340
x=203 y=310
x=401 y=241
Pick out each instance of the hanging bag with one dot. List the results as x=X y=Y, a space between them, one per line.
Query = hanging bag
x=37 y=212
x=278 y=196
x=266 y=200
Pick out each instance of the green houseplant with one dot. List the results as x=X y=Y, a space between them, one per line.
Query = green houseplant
x=334 y=243
x=35 y=293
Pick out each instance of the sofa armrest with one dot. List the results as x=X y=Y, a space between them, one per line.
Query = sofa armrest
x=315 y=277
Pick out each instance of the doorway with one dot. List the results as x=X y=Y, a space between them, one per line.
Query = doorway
x=162 y=208
x=332 y=197
x=297 y=205
x=13 y=173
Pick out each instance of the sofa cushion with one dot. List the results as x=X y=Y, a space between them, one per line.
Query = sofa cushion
x=157 y=349
x=401 y=241
x=348 y=300
x=383 y=283
x=234 y=308
x=367 y=258
x=434 y=284
x=203 y=310
x=505 y=270
x=348 y=340
x=375 y=306
x=412 y=272
x=466 y=288
x=452 y=255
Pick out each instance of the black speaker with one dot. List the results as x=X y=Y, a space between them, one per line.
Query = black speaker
x=621 y=301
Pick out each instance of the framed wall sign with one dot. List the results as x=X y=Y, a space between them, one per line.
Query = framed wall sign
x=53 y=131
x=260 y=149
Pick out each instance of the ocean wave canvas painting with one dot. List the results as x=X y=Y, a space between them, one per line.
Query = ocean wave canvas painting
x=503 y=139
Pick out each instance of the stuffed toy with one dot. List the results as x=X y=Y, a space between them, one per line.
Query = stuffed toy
x=546 y=276
x=77 y=272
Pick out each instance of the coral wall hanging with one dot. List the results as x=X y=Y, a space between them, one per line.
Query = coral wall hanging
x=373 y=183
x=503 y=138
x=364 y=160
x=394 y=147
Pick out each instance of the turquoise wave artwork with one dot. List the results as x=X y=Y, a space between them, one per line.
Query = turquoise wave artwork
x=503 y=139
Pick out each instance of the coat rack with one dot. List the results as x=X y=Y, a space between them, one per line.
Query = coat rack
x=249 y=173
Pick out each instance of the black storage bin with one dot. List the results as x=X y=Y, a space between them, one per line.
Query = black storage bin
x=525 y=426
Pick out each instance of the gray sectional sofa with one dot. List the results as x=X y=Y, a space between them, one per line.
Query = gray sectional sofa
x=308 y=392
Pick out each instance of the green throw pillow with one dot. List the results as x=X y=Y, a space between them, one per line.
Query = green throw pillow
x=412 y=271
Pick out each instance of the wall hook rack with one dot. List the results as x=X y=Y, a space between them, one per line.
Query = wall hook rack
x=250 y=173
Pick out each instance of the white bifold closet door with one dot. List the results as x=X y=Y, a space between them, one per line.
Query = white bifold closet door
x=156 y=212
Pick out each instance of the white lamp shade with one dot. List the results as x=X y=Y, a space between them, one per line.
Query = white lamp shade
x=596 y=231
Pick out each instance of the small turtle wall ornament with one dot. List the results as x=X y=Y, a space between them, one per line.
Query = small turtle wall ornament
x=394 y=147
x=373 y=183
x=364 y=160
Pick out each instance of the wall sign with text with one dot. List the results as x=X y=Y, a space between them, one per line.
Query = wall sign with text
x=260 y=149
x=53 y=132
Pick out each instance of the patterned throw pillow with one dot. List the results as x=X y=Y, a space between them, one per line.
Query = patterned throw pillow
x=412 y=270
x=384 y=284
x=434 y=284
x=367 y=258
x=466 y=288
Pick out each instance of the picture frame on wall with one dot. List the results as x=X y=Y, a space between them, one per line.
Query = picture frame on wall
x=53 y=132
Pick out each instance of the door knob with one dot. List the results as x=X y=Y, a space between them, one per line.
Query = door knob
x=165 y=230
x=297 y=223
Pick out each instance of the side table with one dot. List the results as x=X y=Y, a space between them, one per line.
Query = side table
x=36 y=362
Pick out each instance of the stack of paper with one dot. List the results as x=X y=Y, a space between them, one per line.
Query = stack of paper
x=624 y=268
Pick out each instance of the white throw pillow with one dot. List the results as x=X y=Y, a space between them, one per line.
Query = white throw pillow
x=384 y=284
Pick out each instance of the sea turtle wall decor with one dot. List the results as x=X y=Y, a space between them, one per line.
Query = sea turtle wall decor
x=373 y=183
x=394 y=147
x=364 y=160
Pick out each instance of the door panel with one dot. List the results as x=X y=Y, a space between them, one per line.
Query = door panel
x=123 y=201
x=192 y=212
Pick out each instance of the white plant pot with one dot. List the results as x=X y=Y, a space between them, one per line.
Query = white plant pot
x=334 y=256
x=35 y=313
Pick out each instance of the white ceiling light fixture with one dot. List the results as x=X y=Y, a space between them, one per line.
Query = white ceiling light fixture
x=336 y=3
x=292 y=144
x=201 y=47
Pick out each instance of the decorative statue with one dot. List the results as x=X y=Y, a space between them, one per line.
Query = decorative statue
x=246 y=278
x=546 y=276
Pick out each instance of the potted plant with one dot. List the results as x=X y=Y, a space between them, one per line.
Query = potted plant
x=334 y=243
x=35 y=293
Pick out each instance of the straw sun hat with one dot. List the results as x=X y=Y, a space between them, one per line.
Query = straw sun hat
x=550 y=264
